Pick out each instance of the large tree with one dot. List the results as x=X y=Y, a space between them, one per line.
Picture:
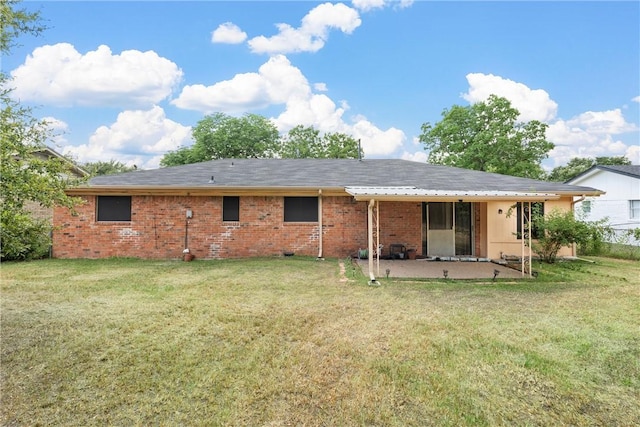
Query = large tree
x=220 y=136
x=106 y=168
x=301 y=142
x=307 y=142
x=577 y=165
x=487 y=136
x=25 y=177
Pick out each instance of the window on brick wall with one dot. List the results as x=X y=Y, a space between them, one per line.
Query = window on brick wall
x=301 y=209
x=231 y=208
x=114 y=208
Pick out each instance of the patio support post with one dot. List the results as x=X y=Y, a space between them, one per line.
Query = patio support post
x=530 y=232
x=370 y=238
x=377 y=215
x=320 y=232
x=522 y=237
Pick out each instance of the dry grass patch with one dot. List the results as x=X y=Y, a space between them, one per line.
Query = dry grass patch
x=287 y=342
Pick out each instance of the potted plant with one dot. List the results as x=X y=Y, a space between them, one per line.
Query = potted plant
x=187 y=255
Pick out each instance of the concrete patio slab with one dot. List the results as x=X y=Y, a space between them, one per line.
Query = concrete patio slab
x=425 y=269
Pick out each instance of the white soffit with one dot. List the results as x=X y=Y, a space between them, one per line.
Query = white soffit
x=408 y=193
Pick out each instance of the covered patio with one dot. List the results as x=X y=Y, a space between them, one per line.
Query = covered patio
x=442 y=236
x=426 y=269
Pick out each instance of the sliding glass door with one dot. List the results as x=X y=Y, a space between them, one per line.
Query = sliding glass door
x=448 y=228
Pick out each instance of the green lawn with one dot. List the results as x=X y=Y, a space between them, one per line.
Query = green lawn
x=287 y=341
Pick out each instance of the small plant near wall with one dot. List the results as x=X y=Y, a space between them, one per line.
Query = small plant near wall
x=559 y=229
x=187 y=255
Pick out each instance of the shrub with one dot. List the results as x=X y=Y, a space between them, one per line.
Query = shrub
x=558 y=229
x=600 y=235
x=22 y=237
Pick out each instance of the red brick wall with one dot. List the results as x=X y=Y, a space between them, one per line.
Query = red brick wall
x=401 y=223
x=157 y=229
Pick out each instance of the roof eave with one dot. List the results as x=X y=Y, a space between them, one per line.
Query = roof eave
x=213 y=190
x=447 y=198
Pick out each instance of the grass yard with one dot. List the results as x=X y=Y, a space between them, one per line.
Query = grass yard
x=278 y=342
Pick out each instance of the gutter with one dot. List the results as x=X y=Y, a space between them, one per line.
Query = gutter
x=320 y=231
x=214 y=190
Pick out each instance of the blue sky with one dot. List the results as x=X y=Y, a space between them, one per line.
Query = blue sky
x=127 y=80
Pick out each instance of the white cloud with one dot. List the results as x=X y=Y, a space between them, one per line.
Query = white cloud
x=60 y=75
x=139 y=137
x=633 y=154
x=312 y=33
x=367 y=5
x=228 y=33
x=320 y=87
x=418 y=156
x=243 y=92
x=376 y=142
x=589 y=134
x=604 y=147
x=319 y=111
x=532 y=104
x=315 y=110
x=275 y=82
x=636 y=99
x=602 y=122
x=278 y=82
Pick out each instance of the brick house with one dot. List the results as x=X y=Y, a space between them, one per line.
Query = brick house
x=314 y=207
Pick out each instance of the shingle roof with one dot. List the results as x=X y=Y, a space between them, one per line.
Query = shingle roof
x=628 y=170
x=328 y=173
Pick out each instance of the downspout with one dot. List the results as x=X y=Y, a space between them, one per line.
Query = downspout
x=573 y=203
x=372 y=277
x=186 y=233
x=320 y=232
x=574 y=247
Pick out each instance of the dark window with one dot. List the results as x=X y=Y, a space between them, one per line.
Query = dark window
x=300 y=209
x=440 y=216
x=231 y=208
x=114 y=208
x=537 y=208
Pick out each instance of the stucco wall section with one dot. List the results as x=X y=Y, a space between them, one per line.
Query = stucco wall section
x=501 y=227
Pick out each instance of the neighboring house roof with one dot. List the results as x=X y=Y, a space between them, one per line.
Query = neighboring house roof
x=48 y=152
x=627 y=170
x=314 y=174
